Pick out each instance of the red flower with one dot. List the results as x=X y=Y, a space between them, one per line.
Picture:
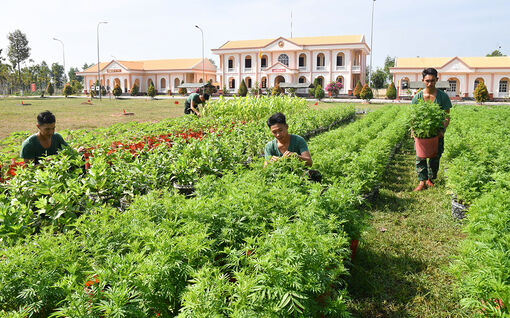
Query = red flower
x=176 y=103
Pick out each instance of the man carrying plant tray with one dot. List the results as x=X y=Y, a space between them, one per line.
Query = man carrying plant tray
x=428 y=172
x=285 y=144
x=192 y=102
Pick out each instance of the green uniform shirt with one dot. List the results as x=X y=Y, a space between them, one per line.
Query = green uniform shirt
x=442 y=99
x=297 y=145
x=32 y=148
x=195 y=97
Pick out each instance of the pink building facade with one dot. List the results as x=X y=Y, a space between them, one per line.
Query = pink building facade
x=462 y=74
x=165 y=75
x=293 y=60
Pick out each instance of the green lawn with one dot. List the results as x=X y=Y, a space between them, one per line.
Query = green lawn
x=72 y=114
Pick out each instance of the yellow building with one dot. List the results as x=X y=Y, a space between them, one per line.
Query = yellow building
x=166 y=75
x=461 y=73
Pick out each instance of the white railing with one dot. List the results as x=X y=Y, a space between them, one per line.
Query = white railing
x=356 y=68
x=340 y=67
x=230 y=70
x=302 y=68
x=247 y=69
x=321 y=68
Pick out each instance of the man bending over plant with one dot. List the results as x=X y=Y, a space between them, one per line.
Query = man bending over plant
x=192 y=102
x=428 y=172
x=45 y=142
x=285 y=144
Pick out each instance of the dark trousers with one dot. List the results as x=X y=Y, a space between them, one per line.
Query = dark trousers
x=429 y=170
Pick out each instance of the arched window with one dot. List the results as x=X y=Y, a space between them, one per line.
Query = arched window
x=321 y=61
x=264 y=82
x=247 y=62
x=340 y=59
x=477 y=81
x=340 y=79
x=231 y=63
x=503 y=85
x=263 y=61
x=320 y=81
x=247 y=81
x=177 y=82
x=125 y=85
x=163 y=83
x=137 y=83
x=302 y=79
x=231 y=83
x=108 y=84
x=302 y=60
x=284 y=59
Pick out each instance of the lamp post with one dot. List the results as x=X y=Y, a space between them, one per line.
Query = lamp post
x=371 y=45
x=203 y=60
x=98 y=76
x=63 y=56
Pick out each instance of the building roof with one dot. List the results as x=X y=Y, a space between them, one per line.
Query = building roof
x=439 y=62
x=156 y=65
x=314 y=40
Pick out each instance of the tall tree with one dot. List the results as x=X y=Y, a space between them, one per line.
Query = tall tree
x=389 y=62
x=57 y=74
x=19 y=50
x=378 y=78
x=72 y=74
x=496 y=53
x=44 y=75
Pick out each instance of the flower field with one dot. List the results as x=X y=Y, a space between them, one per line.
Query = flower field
x=478 y=152
x=107 y=234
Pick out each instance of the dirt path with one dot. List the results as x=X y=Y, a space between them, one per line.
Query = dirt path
x=401 y=269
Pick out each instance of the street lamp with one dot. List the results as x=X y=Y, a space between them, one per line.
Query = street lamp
x=371 y=46
x=203 y=60
x=98 y=76
x=63 y=56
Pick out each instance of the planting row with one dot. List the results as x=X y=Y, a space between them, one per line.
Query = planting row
x=256 y=242
x=477 y=149
x=61 y=189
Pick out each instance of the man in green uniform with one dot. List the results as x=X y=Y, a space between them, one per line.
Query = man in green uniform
x=285 y=144
x=191 y=103
x=428 y=172
x=45 y=142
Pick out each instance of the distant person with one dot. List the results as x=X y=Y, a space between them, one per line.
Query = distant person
x=191 y=104
x=285 y=144
x=427 y=172
x=45 y=142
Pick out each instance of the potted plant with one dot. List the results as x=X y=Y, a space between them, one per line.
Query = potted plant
x=426 y=120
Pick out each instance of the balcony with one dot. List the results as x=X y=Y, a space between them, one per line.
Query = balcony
x=340 y=67
x=356 y=68
x=321 y=68
x=230 y=70
x=302 y=68
x=247 y=69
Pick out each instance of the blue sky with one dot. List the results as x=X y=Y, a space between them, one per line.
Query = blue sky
x=157 y=29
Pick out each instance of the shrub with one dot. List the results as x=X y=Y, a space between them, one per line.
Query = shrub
x=366 y=93
x=277 y=90
x=151 y=91
x=426 y=119
x=391 y=92
x=50 y=89
x=77 y=87
x=357 y=89
x=134 y=90
x=242 y=89
x=334 y=88
x=68 y=90
x=481 y=94
x=319 y=92
x=117 y=91
x=292 y=91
